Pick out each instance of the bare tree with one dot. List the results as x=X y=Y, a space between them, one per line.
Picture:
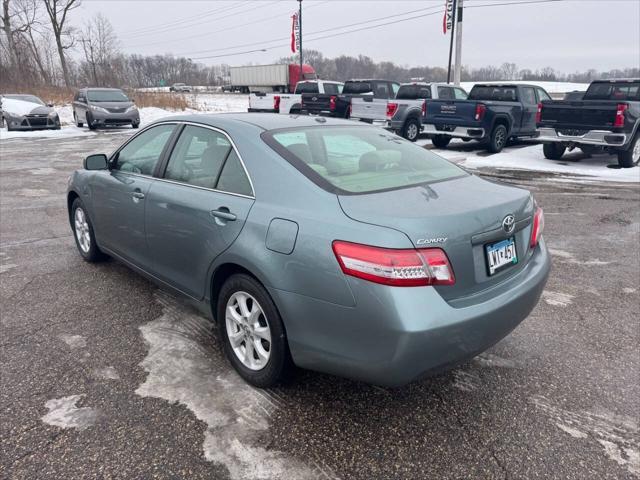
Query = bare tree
x=11 y=27
x=100 y=45
x=58 y=11
x=509 y=71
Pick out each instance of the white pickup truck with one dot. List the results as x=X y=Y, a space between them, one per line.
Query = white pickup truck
x=287 y=103
x=405 y=113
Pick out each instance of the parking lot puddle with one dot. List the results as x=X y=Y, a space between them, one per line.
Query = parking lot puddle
x=184 y=367
x=617 y=434
x=64 y=413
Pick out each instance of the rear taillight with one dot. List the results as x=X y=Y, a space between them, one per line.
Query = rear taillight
x=332 y=103
x=539 y=113
x=400 y=268
x=392 y=108
x=480 y=109
x=537 y=228
x=276 y=103
x=619 y=121
x=424 y=108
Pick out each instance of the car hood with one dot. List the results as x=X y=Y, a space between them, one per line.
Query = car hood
x=459 y=215
x=112 y=104
x=21 y=108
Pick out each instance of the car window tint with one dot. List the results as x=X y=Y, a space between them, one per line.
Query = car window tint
x=622 y=90
x=359 y=159
x=141 y=154
x=307 y=87
x=445 y=93
x=233 y=177
x=382 y=90
x=413 y=92
x=460 y=94
x=198 y=156
x=528 y=96
x=395 y=87
x=331 y=88
x=542 y=95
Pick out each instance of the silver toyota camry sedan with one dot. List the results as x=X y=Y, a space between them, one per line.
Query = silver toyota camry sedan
x=316 y=242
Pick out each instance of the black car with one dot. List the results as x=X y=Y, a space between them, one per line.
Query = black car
x=492 y=114
x=606 y=119
x=339 y=105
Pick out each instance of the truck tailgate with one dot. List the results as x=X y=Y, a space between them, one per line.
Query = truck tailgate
x=261 y=102
x=369 y=108
x=451 y=112
x=587 y=115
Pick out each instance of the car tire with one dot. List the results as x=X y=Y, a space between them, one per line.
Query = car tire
x=553 y=151
x=498 y=139
x=83 y=233
x=411 y=129
x=89 y=122
x=252 y=367
x=75 y=118
x=1 y=121
x=9 y=127
x=440 y=141
x=630 y=157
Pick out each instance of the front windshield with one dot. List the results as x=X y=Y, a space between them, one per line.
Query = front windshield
x=107 y=96
x=25 y=98
x=359 y=159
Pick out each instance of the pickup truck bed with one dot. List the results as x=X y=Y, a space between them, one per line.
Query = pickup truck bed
x=606 y=120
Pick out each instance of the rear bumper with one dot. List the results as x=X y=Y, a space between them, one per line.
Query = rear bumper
x=458 y=132
x=263 y=110
x=592 y=137
x=396 y=335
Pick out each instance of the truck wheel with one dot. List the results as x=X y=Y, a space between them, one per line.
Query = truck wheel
x=440 y=141
x=411 y=129
x=553 y=151
x=630 y=157
x=498 y=139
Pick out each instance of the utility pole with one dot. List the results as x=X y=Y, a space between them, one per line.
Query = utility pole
x=300 y=27
x=453 y=23
x=458 y=19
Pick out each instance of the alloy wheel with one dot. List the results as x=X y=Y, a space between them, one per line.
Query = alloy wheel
x=82 y=230
x=248 y=330
x=412 y=131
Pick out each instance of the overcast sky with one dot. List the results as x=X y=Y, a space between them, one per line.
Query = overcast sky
x=568 y=35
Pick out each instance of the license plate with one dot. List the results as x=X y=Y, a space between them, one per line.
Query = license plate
x=501 y=255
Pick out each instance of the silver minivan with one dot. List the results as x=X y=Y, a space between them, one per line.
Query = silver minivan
x=101 y=107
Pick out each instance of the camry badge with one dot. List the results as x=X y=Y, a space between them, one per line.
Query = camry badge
x=509 y=223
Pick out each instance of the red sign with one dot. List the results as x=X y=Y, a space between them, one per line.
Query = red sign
x=447 y=20
x=295 y=33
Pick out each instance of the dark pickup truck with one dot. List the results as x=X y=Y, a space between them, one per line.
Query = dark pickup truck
x=492 y=114
x=606 y=119
x=339 y=105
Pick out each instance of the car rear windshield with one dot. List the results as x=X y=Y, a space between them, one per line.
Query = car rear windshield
x=307 y=87
x=107 y=96
x=357 y=87
x=613 y=91
x=501 y=94
x=413 y=92
x=25 y=98
x=359 y=159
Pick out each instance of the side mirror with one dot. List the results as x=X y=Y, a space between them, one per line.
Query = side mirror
x=50 y=105
x=96 y=162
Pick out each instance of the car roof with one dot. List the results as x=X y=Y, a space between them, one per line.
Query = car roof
x=102 y=89
x=509 y=85
x=265 y=121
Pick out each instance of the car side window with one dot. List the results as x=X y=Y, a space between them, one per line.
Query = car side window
x=445 y=93
x=542 y=95
x=528 y=96
x=142 y=153
x=381 y=90
x=460 y=94
x=233 y=178
x=395 y=87
x=198 y=156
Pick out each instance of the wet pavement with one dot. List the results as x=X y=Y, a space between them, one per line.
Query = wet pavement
x=106 y=376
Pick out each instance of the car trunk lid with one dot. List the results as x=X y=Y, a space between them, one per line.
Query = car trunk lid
x=461 y=216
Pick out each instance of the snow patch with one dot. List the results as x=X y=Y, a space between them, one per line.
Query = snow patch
x=491 y=360
x=6 y=267
x=63 y=413
x=557 y=299
x=629 y=290
x=567 y=257
x=106 y=373
x=73 y=341
x=184 y=367
x=616 y=434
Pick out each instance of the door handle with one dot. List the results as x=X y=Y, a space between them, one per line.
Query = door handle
x=138 y=195
x=224 y=214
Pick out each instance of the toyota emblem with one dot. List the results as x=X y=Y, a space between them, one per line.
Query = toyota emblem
x=509 y=223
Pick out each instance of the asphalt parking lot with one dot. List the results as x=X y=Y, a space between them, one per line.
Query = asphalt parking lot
x=106 y=376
